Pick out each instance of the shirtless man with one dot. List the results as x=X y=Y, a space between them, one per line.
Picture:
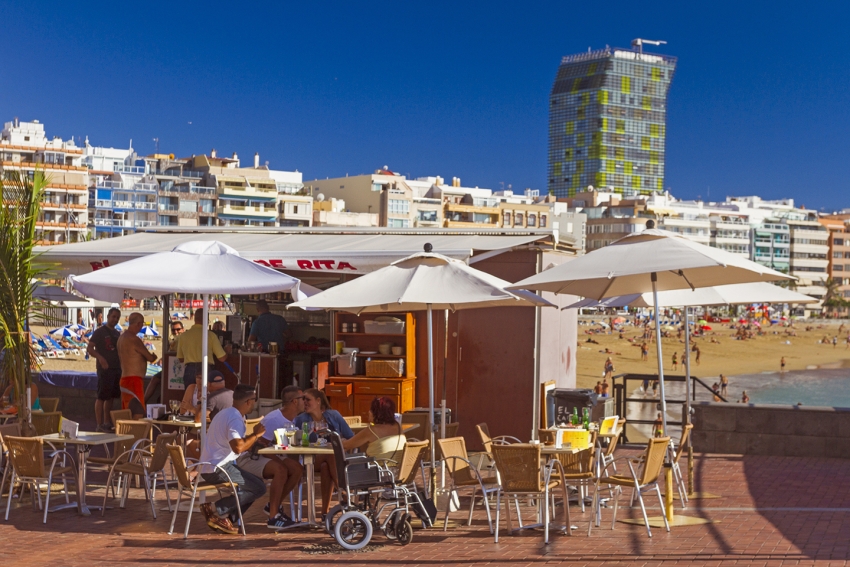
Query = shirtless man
x=134 y=358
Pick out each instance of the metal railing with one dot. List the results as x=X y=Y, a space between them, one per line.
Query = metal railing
x=624 y=401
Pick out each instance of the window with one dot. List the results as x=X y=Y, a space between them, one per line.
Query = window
x=188 y=207
x=543 y=223
x=838 y=241
x=838 y=268
x=428 y=216
x=507 y=219
x=518 y=219
x=398 y=207
x=532 y=219
x=206 y=206
x=377 y=187
x=398 y=223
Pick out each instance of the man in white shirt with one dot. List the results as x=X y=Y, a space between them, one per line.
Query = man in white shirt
x=226 y=440
x=293 y=404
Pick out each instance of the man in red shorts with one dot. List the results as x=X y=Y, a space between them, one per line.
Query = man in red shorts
x=134 y=364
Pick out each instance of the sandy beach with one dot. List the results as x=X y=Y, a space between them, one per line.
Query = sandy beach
x=727 y=355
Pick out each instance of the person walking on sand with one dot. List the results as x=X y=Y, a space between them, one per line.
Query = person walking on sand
x=834 y=341
x=658 y=427
x=644 y=351
x=609 y=369
x=724 y=386
x=782 y=365
x=696 y=350
x=675 y=361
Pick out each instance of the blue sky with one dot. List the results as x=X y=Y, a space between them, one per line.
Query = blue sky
x=760 y=103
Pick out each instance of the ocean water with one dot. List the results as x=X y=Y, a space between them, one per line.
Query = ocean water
x=818 y=387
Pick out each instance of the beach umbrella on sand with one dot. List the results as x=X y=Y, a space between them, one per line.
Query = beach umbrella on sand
x=208 y=268
x=65 y=331
x=422 y=282
x=148 y=331
x=650 y=261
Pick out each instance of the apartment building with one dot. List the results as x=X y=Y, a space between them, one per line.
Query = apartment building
x=838 y=226
x=24 y=147
x=333 y=212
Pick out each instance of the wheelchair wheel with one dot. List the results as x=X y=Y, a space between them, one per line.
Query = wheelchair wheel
x=331 y=518
x=353 y=530
x=404 y=532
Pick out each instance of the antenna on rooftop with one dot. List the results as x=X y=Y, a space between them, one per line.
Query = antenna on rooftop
x=638 y=43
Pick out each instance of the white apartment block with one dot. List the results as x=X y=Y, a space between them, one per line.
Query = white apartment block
x=24 y=147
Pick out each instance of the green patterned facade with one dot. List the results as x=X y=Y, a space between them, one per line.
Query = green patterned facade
x=607 y=122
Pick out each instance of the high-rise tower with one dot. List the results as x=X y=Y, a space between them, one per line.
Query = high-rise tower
x=607 y=121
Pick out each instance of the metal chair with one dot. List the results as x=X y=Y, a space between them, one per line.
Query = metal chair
x=46 y=422
x=463 y=474
x=186 y=484
x=651 y=465
x=520 y=475
x=26 y=455
x=677 y=472
x=146 y=465
x=607 y=456
x=140 y=430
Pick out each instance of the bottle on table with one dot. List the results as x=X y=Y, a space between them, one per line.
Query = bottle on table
x=305 y=435
x=574 y=418
x=586 y=412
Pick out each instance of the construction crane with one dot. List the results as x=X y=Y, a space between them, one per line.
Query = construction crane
x=639 y=43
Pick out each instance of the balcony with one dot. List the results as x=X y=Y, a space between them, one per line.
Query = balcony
x=247 y=193
x=247 y=211
x=131 y=169
x=168 y=208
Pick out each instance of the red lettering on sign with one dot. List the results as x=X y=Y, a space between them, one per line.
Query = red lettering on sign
x=95 y=266
x=277 y=263
x=345 y=266
x=327 y=264
x=305 y=265
x=106 y=263
x=262 y=262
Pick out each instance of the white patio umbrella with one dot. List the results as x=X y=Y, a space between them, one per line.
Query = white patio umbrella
x=734 y=294
x=650 y=261
x=422 y=282
x=208 y=268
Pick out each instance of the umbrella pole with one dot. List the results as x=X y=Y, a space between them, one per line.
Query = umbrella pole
x=443 y=400
x=668 y=466
x=204 y=369
x=433 y=472
x=687 y=360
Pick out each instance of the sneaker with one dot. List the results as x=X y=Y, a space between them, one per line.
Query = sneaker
x=281 y=522
x=280 y=511
x=224 y=525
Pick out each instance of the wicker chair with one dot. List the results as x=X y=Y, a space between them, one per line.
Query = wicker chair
x=520 y=475
x=651 y=464
x=464 y=474
x=26 y=455
x=120 y=415
x=146 y=465
x=46 y=422
x=352 y=420
x=580 y=470
x=186 y=484
x=49 y=404
x=140 y=430
x=8 y=430
x=677 y=472
x=412 y=455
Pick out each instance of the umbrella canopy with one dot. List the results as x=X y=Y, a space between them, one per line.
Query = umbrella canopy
x=208 y=268
x=623 y=267
x=148 y=331
x=733 y=294
x=65 y=331
x=193 y=267
x=422 y=282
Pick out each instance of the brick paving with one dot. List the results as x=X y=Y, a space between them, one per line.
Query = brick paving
x=773 y=511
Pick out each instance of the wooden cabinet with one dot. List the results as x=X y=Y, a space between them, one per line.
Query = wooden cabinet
x=353 y=395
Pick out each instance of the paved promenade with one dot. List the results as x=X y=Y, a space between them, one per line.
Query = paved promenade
x=773 y=511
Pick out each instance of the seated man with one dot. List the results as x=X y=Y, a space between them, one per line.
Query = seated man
x=226 y=441
x=293 y=404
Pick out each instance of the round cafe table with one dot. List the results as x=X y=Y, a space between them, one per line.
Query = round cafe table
x=308 y=454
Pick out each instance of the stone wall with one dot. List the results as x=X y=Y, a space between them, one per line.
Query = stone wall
x=779 y=430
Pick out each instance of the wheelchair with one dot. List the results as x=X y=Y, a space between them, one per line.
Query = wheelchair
x=370 y=500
